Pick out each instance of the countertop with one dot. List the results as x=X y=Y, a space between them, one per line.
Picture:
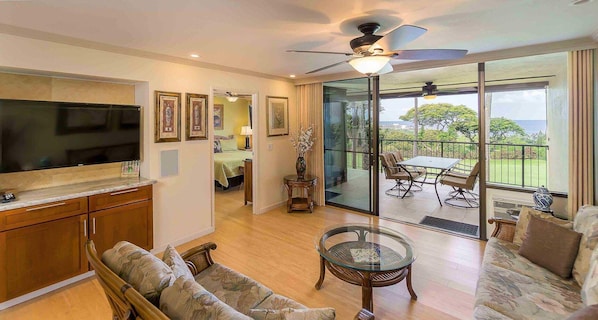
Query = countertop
x=71 y=191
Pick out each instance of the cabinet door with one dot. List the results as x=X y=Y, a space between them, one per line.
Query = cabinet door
x=131 y=222
x=36 y=256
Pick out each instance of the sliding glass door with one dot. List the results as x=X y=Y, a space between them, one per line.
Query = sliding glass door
x=348 y=166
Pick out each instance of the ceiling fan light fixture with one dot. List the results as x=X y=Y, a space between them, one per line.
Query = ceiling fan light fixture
x=231 y=97
x=369 y=65
x=429 y=96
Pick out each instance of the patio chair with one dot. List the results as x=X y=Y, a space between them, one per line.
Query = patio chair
x=463 y=184
x=414 y=170
x=393 y=172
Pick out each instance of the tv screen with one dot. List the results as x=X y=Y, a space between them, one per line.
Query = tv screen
x=42 y=135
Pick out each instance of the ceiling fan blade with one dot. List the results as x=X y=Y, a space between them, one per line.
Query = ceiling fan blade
x=386 y=69
x=327 y=67
x=429 y=54
x=326 y=52
x=399 y=37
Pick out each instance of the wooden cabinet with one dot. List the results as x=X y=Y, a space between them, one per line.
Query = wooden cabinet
x=41 y=254
x=124 y=215
x=44 y=244
x=248 y=180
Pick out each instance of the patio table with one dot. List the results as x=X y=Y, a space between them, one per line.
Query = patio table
x=442 y=164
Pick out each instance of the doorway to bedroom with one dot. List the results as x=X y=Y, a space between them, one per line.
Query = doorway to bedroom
x=233 y=150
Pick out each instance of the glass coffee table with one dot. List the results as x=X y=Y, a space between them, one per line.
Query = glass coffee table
x=366 y=255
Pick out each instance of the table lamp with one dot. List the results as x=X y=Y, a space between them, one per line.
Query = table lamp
x=246 y=131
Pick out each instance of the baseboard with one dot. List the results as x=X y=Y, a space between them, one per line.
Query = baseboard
x=42 y=291
x=162 y=247
x=272 y=207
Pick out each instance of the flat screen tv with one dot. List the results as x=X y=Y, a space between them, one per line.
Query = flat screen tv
x=42 y=135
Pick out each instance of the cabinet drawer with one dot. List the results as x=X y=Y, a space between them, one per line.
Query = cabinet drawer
x=119 y=198
x=27 y=216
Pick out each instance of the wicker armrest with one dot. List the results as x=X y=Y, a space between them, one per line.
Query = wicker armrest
x=199 y=258
x=364 y=314
x=504 y=229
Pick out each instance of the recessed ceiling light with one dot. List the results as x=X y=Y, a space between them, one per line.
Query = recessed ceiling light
x=194 y=55
x=292 y=76
x=579 y=2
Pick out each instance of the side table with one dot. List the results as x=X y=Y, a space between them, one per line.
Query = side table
x=306 y=188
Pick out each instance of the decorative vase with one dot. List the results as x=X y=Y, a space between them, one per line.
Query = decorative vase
x=300 y=166
x=542 y=199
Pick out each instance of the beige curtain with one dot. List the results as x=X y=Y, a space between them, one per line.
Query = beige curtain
x=310 y=112
x=581 y=129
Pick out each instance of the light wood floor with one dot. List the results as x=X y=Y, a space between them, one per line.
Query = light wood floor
x=277 y=249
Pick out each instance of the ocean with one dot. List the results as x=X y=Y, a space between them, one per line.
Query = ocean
x=529 y=126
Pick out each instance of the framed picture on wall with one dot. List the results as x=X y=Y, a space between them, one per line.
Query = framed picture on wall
x=218 y=117
x=196 y=124
x=168 y=116
x=278 y=116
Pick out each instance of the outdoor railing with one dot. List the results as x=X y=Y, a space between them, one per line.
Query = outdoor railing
x=518 y=165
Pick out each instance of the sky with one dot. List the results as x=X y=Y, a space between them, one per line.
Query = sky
x=514 y=105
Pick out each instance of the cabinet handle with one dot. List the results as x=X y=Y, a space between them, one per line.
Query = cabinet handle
x=46 y=207
x=93 y=225
x=123 y=192
x=85 y=227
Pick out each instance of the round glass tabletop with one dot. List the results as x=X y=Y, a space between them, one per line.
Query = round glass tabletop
x=365 y=247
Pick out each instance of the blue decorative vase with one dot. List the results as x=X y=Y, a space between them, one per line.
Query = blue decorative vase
x=542 y=199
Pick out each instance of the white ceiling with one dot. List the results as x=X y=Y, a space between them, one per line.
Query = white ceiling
x=253 y=35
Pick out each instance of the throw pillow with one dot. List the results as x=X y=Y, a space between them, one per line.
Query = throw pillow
x=187 y=299
x=217 y=147
x=587 y=313
x=293 y=314
x=586 y=223
x=589 y=290
x=229 y=145
x=174 y=260
x=524 y=217
x=141 y=269
x=550 y=246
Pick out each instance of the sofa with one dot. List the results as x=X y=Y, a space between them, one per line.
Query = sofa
x=139 y=285
x=540 y=267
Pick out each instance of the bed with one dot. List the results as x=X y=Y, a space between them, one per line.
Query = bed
x=228 y=161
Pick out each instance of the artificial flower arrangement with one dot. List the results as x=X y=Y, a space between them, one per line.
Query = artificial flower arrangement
x=303 y=141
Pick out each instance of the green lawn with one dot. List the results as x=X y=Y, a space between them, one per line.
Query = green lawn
x=505 y=171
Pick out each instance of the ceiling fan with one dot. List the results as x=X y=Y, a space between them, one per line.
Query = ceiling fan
x=231 y=97
x=372 y=53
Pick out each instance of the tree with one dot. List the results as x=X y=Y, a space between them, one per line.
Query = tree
x=439 y=116
x=502 y=128
x=467 y=126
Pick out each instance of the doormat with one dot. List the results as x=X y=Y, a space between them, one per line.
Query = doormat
x=459 y=227
x=330 y=195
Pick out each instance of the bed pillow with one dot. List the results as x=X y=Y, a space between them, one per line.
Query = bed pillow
x=228 y=145
x=217 y=146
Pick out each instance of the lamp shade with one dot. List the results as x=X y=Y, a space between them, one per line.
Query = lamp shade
x=246 y=131
x=369 y=65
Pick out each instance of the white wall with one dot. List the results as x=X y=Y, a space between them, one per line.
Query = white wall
x=182 y=204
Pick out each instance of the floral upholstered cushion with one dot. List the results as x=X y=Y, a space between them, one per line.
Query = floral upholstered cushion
x=293 y=314
x=276 y=301
x=504 y=254
x=141 y=269
x=586 y=223
x=524 y=217
x=233 y=288
x=174 y=260
x=482 y=312
x=589 y=291
x=521 y=297
x=187 y=300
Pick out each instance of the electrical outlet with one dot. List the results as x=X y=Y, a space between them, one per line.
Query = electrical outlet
x=270 y=147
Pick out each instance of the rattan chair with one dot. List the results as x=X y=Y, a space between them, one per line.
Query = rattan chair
x=403 y=178
x=463 y=185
